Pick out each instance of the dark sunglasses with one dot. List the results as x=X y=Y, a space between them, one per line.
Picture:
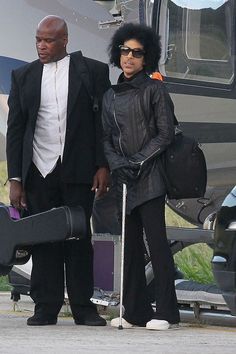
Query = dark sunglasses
x=136 y=53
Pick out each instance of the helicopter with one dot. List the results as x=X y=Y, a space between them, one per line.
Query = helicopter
x=198 y=66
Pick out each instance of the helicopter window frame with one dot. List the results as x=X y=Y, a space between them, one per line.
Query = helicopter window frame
x=150 y=12
x=195 y=65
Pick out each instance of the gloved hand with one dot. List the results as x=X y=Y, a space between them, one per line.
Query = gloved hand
x=127 y=174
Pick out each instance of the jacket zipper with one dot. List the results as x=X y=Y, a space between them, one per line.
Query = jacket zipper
x=143 y=161
x=147 y=158
x=114 y=114
x=135 y=163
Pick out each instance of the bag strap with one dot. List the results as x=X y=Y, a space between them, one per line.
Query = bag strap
x=176 y=123
x=160 y=160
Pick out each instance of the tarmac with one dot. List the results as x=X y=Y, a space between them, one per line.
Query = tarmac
x=66 y=337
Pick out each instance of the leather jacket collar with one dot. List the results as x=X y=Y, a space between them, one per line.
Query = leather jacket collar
x=124 y=84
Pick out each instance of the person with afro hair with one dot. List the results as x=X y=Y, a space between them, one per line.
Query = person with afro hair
x=138 y=124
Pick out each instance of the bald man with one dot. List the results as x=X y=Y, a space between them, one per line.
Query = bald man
x=55 y=158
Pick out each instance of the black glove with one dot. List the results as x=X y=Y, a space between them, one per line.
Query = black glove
x=127 y=174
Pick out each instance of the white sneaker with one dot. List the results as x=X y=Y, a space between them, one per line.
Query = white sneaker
x=115 y=322
x=160 y=325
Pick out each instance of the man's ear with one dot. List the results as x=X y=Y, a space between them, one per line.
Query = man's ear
x=65 y=38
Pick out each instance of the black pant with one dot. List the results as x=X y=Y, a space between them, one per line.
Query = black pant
x=150 y=216
x=75 y=257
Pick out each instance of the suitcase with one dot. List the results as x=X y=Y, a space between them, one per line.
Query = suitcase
x=107 y=250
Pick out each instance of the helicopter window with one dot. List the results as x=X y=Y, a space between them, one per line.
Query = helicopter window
x=197 y=40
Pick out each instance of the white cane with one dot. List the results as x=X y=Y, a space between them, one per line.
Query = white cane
x=122 y=253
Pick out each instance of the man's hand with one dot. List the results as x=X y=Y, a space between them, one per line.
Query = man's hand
x=17 y=195
x=101 y=181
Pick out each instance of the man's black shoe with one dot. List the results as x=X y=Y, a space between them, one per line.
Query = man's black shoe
x=37 y=320
x=90 y=319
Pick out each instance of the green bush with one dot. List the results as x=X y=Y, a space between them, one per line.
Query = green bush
x=194 y=261
x=4 y=285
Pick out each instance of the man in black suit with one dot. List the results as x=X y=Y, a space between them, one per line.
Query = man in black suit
x=55 y=157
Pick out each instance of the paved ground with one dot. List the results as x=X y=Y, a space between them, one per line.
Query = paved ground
x=65 y=337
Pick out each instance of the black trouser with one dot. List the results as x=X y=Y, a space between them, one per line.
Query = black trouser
x=75 y=257
x=150 y=216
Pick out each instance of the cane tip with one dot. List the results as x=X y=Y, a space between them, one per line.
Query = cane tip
x=120 y=327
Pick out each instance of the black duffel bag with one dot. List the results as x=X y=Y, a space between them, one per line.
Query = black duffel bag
x=183 y=168
x=182 y=164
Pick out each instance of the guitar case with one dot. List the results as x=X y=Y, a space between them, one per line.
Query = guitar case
x=17 y=235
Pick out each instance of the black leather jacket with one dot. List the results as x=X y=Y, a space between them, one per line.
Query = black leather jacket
x=138 y=122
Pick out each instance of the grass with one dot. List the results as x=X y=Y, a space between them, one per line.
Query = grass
x=4 y=284
x=4 y=190
x=193 y=261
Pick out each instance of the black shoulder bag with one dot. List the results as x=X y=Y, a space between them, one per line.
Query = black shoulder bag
x=183 y=168
x=182 y=165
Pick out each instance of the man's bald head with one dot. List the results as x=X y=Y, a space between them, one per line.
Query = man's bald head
x=51 y=39
x=55 y=22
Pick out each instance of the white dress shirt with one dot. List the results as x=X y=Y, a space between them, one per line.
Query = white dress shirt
x=50 y=129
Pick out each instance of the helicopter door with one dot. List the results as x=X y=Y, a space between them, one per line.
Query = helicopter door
x=197 y=40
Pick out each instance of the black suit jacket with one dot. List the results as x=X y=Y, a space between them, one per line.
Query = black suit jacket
x=83 y=151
